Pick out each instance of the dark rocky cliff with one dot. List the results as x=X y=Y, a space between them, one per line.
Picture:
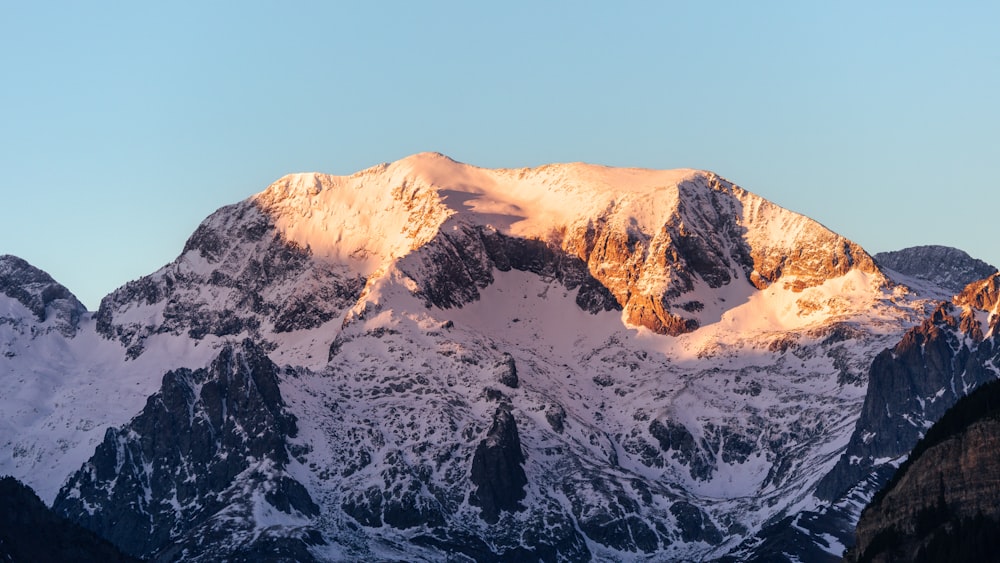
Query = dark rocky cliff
x=944 y=502
x=204 y=456
x=913 y=384
x=236 y=275
x=497 y=469
x=461 y=262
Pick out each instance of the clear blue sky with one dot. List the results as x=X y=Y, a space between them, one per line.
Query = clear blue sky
x=124 y=124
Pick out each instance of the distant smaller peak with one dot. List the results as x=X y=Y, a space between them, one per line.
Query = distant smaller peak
x=950 y=268
x=37 y=291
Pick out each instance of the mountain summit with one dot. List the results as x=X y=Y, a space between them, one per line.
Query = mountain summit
x=659 y=241
x=429 y=360
x=948 y=267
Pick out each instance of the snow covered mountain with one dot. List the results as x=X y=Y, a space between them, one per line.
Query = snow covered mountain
x=35 y=304
x=429 y=360
x=943 y=266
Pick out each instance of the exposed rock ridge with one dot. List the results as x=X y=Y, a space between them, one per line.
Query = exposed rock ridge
x=39 y=293
x=950 y=268
x=460 y=262
x=713 y=235
x=498 y=469
x=914 y=383
x=911 y=385
x=654 y=244
x=236 y=275
x=943 y=502
x=649 y=237
x=205 y=455
x=982 y=295
x=718 y=234
x=786 y=244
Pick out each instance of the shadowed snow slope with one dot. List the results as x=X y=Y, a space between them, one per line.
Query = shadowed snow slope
x=567 y=362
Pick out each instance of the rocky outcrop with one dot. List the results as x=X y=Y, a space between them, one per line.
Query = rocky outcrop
x=677 y=442
x=711 y=234
x=982 y=295
x=715 y=236
x=912 y=385
x=29 y=531
x=204 y=457
x=507 y=371
x=48 y=301
x=236 y=276
x=498 y=469
x=458 y=263
x=942 y=503
x=950 y=268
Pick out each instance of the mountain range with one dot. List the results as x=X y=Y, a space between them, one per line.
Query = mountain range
x=430 y=361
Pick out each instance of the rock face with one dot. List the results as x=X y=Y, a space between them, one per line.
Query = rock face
x=947 y=267
x=497 y=469
x=236 y=275
x=48 y=301
x=912 y=385
x=457 y=264
x=942 y=503
x=205 y=459
x=29 y=531
x=507 y=371
x=708 y=234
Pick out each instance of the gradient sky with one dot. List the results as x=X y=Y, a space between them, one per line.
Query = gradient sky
x=123 y=125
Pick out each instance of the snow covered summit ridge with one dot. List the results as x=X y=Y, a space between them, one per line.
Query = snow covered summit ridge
x=358 y=218
x=649 y=236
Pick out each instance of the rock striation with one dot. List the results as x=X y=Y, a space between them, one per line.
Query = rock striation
x=942 y=503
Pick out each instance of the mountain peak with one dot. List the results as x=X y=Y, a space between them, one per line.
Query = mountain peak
x=651 y=237
x=39 y=293
x=950 y=268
